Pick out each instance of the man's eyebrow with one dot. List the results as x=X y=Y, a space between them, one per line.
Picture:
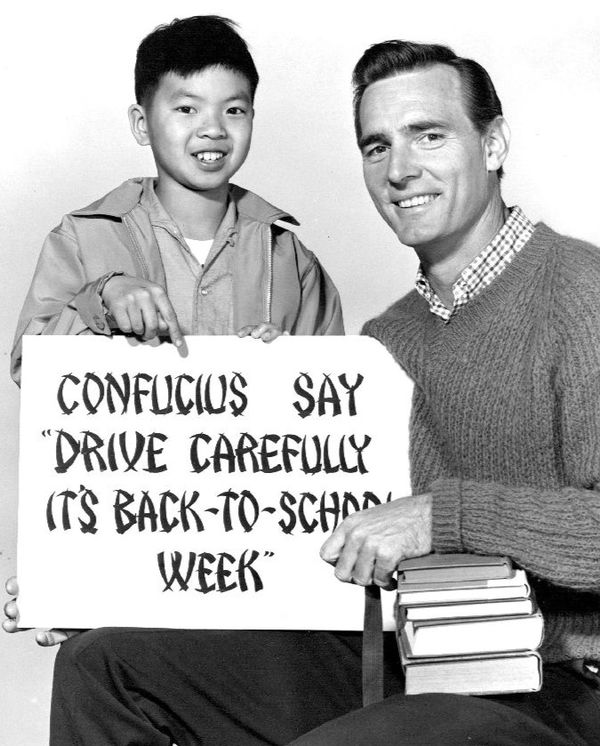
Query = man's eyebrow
x=421 y=125
x=424 y=124
x=374 y=137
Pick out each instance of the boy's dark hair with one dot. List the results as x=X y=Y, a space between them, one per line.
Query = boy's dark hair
x=187 y=46
x=387 y=59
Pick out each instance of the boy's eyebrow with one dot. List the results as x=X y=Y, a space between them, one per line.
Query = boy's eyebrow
x=184 y=92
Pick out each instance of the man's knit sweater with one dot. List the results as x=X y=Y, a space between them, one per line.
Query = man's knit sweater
x=505 y=429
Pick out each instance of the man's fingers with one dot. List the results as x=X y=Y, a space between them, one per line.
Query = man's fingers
x=331 y=548
x=11 y=625
x=344 y=567
x=49 y=637
x=11 y=610
x=383 y=574
x=364 y=567
x=341 y=550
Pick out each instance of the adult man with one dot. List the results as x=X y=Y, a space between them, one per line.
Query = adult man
x=502 y=339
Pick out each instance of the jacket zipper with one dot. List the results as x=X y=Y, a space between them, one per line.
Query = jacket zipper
x=269 y=287
x=136 y=248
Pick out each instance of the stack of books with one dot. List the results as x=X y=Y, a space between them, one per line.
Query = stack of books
x=467 y=624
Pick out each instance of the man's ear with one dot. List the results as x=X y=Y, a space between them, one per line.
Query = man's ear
x=138 y=124
x=496 y=143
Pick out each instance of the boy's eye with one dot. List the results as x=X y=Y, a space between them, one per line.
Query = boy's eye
x=236 y=110
x=184 y=109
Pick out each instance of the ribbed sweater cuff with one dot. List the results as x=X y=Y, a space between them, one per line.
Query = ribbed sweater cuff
x=446 y=515
x=568 y=636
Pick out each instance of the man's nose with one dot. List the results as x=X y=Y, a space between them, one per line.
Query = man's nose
x=403 y=164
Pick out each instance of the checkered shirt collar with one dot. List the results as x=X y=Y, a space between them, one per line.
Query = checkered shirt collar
x=486 y=266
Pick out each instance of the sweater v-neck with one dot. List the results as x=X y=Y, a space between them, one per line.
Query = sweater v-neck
x=493 y=303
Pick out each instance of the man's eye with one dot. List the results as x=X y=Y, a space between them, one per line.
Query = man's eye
x=375 y=152
x=432 y=139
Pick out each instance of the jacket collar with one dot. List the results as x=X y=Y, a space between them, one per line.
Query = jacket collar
x=124 y=198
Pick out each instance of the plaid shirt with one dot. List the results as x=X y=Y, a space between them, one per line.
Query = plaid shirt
x=486 y=266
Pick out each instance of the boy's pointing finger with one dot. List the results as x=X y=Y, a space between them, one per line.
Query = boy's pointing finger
x=170 y=318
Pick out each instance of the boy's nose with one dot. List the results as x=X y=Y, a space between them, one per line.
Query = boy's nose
x=211 y=126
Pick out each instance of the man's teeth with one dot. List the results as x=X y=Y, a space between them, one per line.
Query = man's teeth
x=422 y=199
x=209 y=156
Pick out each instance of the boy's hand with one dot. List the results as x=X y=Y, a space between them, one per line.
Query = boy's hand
x=45 y=638
x=266 y=332
x=141 y=307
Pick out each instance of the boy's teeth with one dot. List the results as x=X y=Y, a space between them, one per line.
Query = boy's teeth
x=422 y=199
x=209 y=156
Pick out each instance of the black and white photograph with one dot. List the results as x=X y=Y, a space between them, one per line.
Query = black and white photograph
x=300 y=409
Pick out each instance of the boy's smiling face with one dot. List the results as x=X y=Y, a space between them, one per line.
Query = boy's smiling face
x=199 y=128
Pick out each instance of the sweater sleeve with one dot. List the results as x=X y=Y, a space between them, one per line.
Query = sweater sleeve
x=554 y=533
x=61 y=299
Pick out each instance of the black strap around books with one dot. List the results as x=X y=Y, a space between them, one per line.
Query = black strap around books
x=372 y=648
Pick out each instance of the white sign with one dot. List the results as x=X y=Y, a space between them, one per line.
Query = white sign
x=165 y=491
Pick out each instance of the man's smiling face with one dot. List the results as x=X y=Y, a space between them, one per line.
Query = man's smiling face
x=424 y=162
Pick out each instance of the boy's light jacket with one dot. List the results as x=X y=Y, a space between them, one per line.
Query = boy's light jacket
x=275 y=278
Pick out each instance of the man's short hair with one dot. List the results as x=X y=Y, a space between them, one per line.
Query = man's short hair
x=187 y=46
x=390 y=58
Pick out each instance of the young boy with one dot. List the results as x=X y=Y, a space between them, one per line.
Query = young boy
x=187 y=252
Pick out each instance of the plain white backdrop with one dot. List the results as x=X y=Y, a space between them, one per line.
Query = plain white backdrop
x=66 y=74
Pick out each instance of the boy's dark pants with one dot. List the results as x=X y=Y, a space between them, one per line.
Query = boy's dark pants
x=120 y=687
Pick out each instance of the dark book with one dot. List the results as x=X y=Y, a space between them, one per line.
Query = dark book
x=443 y=567
x=515 y=586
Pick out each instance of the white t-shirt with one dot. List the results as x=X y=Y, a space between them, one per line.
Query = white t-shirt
x=199 y=249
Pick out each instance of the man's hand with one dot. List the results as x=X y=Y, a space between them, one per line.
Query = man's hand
x=264 y=331
x=367 y=546
x=46 y=637
x=141 y=307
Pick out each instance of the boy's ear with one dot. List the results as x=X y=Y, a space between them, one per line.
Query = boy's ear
x=138 y=124
x=497 y=142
